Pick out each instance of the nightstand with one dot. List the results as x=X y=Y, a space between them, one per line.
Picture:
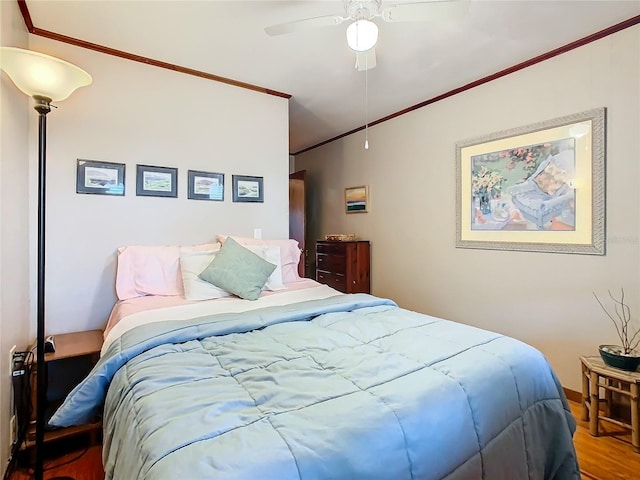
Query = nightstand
x=76 y=354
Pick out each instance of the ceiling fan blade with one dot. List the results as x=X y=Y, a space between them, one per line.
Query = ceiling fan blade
x=437 y=11
x=307 y=23
x=366 y=60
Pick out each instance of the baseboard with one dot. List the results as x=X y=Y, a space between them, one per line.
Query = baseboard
x=573 y=395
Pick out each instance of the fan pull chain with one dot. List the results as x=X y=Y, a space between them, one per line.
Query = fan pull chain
x=366 y=102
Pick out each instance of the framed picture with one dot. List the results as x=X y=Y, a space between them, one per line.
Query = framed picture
x=356 y=199
x=539 y=188
x=156 y=181
x=206 y=186
x=103 y=178
x=247 y=189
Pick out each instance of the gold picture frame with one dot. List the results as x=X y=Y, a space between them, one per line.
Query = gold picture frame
x=538 y=188
x=356 y=199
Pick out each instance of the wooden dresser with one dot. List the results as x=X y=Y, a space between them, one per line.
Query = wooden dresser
x=344 y=265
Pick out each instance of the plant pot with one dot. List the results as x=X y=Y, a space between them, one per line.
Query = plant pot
x=612 y=355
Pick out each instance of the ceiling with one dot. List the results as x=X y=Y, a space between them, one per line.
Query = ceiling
x=416 y=61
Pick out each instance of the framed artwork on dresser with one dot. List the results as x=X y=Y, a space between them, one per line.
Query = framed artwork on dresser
x=537 y=188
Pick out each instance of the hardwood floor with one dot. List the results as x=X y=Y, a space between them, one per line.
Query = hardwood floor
x=75 y=459
x=607 y=457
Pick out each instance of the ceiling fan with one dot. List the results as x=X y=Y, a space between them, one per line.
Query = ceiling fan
x=362 y=33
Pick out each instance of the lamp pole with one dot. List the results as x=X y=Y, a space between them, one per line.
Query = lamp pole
x=45 y=79
x=43 y=107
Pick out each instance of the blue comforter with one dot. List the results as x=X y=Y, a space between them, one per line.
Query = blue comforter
x=351 y=387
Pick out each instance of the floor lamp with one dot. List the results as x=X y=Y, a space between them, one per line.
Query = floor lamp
x=47 y=79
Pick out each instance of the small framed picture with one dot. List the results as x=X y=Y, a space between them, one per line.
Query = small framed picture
x=156 y=181
x=356 y=199
x=247 y=189
x=103 y=178
x=206 y=186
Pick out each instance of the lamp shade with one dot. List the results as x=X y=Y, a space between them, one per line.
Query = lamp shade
x=362 y=35
x=37 y=74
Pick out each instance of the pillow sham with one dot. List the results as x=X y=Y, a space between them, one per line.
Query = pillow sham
x=146 y=270
x=150 y=270
x=192 y=262
x=289 y=253
x=238 y=270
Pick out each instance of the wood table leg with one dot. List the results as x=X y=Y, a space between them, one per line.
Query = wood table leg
x=595 y=400
x=585 y=394
x=635 y=431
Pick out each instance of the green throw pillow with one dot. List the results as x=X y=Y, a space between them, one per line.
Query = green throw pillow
x=238 y=270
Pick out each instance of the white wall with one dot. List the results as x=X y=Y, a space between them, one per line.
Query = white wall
x=14 y=212
x=543 y=299
x=138 y=114
x=132 y=114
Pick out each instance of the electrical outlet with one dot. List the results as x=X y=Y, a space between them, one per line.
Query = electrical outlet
x=11 y=352
x=13 y=430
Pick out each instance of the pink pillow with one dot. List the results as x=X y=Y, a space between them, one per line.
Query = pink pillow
x=289 y=253
x=150 y=270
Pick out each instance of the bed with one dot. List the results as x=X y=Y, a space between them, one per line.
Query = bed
x=308 y=383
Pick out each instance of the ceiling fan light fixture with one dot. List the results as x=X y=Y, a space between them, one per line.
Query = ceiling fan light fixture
x=362 y=35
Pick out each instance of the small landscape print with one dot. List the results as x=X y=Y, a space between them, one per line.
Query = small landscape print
x=247 y=189
x=356 y=199
x=206 y=186
x=156 y=181
x=104 y=178
x=96 y=177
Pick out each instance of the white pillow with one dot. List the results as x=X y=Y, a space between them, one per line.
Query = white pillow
x=192 y=263
x=272 y=255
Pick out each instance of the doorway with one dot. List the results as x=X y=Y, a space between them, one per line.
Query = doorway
x=298 y=218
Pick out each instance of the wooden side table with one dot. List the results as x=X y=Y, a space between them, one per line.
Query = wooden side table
x=596 y=376
x=75 y=353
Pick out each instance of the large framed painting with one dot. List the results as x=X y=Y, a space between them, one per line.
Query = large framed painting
x=538 y=188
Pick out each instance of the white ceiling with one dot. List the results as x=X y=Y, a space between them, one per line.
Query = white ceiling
x=416 y=61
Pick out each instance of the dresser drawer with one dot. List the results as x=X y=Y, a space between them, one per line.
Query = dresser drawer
x=334 y=280
x=331 y=263
x=333 y=248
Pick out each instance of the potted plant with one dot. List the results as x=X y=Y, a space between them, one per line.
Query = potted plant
x=624 y=356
